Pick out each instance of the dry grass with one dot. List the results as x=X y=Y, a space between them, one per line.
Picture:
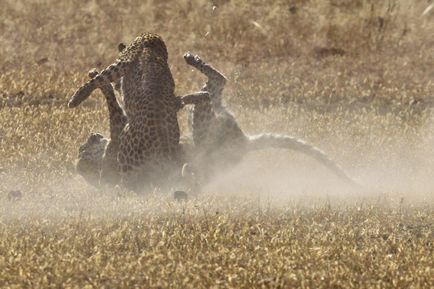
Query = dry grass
x=353 y=77
x=217 y=243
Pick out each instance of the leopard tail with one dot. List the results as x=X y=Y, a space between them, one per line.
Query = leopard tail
x=263 y=141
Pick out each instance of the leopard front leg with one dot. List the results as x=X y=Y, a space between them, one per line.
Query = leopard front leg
x=216 y=80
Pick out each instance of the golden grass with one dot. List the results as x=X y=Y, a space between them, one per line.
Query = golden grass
x=353 y=77
x=219 y=244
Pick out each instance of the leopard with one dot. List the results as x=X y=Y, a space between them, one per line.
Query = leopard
x=149 y=150
x=97 y=157
x=97 y=161
x=219 y=141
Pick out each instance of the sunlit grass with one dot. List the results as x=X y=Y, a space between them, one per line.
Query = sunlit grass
x=278 y=220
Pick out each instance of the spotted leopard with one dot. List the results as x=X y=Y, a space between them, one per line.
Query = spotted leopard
x=98 y=157
x=149 y=151
x=220 y=142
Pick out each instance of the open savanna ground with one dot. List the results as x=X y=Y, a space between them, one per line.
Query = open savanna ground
x=355 y=78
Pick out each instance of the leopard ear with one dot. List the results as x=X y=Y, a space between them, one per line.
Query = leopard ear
x=121 y=47
x=95 y=137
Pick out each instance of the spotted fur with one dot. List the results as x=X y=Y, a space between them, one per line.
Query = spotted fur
x=97 y=159
x=149 y=143
x=151 y=136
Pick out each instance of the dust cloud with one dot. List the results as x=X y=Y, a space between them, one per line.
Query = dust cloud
x=404 y=171
x=397 y=169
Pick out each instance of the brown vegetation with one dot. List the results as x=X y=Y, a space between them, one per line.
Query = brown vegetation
x=354 y=77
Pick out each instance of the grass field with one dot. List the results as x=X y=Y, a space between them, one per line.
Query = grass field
x=355 y=78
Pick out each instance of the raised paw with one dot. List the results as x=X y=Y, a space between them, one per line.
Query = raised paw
x=192 y=59
x=189 y=58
